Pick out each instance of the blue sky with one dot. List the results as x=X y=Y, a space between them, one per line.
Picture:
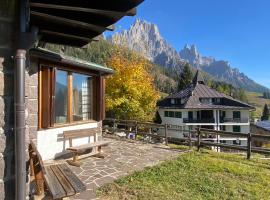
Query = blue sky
x=233 y=30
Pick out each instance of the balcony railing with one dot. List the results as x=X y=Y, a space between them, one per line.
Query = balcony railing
x=234 y=120
x=210 y=120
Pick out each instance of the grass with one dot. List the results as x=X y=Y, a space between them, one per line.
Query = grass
x=258 y=101
x=194 y=176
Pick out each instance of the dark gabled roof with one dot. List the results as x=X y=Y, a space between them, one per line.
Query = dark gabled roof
x=198 y=90
x=68 y=60
x=77 y=22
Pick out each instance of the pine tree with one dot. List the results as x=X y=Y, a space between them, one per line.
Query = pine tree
x=265 y=114
x=185 y=77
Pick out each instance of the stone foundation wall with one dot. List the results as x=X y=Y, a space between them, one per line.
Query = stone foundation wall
x=7 y=162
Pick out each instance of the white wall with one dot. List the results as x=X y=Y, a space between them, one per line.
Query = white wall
x=172 y=120
x=50 y=142
x=244 y=128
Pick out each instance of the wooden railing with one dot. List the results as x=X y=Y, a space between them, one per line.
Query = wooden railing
x=199 y=137
x=248 y=136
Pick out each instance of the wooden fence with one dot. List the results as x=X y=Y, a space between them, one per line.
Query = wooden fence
x=197 y=137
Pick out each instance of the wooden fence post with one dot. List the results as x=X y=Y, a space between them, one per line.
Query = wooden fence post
x=136 y=129
x=166 y=134
x=199 y=139
x=114 y=126
x=249 y=146
x=189 y=139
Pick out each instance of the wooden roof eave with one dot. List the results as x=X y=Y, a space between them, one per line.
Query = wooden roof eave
x=70 y=22
x=107 y=13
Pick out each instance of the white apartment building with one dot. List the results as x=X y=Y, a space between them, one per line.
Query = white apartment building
x=200 y=106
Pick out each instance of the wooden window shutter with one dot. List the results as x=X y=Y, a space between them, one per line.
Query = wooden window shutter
x=52 y=95
x=47 y=97
x=99 y=98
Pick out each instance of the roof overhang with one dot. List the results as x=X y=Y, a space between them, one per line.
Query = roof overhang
x=77 y=22
x=70 y=61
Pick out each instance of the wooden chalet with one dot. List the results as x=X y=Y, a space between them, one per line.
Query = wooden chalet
x=53 y=93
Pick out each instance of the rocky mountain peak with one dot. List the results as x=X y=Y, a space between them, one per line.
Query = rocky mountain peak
x=145 y=38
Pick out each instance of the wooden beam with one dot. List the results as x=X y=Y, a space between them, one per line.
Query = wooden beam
x=70 y=22
x=66 y=35
x=132 y=12
x=107 y=13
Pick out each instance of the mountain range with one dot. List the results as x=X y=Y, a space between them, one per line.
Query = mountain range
x=145 y=38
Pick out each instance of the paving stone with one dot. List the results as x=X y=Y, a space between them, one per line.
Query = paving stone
x=122 y=158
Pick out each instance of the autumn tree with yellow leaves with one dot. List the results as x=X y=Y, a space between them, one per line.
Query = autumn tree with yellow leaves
x=130 y=93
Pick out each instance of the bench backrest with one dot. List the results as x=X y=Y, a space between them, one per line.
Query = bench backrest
x=36 y=159
x=81 y=133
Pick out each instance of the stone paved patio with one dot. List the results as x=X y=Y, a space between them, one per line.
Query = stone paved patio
x=121 y=158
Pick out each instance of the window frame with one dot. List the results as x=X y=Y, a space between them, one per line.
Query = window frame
x=179 y=113
x=173 y=114
x=236 y=112
x=98 y=96
x=236 y=126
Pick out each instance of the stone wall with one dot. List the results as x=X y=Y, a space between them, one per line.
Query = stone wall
x=7 y=162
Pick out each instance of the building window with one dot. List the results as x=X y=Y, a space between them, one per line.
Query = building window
x=178 y=114
x=172 y=101
x=166 y=113
x=61 y=97
x=237 y=129
x=223 y=128
x=237 y=142
x=82 y=97
x=236 y=114
x=222 y=141
x=171 y=114
x=68 y=97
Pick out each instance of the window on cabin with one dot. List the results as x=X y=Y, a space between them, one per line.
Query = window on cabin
x=82 y=97
x=68 y=97
x=178 y=114
x=237 y=129
x=172 y=101
x=236 y=114
x=61 y=97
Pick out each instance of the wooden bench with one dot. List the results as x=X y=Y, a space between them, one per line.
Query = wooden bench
x=60 y=181
x=77 y=150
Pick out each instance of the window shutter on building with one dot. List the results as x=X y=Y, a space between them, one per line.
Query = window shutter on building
x=100 y=98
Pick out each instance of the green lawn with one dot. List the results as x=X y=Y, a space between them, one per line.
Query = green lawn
x=194 y=175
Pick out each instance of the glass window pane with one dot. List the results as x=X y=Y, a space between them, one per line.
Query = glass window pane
x=236 y=129
x=236 y=114
x=178 y=114
x=171 y=114
x=61 y=95
x=166 y=114
x=82 y=97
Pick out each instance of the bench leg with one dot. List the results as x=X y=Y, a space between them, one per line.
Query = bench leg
x=75 y=161
x=99 y=153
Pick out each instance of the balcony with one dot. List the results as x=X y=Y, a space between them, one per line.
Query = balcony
x=199 y=121
x=234 y=120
